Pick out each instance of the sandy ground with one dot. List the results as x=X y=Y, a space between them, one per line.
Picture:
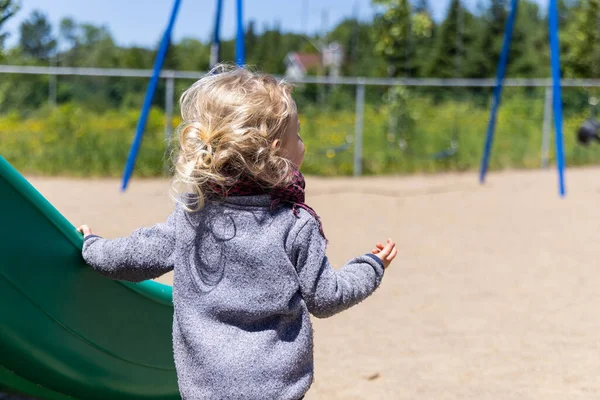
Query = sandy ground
x=495 y=295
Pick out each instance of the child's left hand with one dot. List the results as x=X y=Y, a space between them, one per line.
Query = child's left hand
x=85 y=230
x=386 y=253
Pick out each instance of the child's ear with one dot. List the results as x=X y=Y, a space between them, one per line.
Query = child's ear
x=275 y=144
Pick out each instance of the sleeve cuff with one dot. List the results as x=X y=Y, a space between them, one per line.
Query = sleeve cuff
x=90 y=237
x=374 y=257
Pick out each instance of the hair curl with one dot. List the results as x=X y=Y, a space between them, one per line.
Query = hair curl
x=230 y=119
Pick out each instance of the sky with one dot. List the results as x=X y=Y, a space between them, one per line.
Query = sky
x=141 y=22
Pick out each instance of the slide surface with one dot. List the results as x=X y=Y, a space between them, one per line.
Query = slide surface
x=65 y=331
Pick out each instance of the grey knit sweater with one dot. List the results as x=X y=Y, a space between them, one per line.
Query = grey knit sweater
x=245 y=280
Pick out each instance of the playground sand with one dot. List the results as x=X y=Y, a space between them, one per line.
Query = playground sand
x=495 y=293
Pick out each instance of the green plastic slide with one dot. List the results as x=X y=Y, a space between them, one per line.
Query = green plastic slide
x=65 y=331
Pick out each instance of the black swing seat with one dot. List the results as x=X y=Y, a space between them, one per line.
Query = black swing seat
x=588 y=131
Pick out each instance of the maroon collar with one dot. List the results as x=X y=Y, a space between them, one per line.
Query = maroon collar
x=293 y=194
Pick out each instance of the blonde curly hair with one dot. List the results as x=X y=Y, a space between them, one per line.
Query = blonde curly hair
x=230 y=119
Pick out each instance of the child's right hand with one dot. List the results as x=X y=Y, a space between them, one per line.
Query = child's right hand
x=85 y=230
x=386 y=253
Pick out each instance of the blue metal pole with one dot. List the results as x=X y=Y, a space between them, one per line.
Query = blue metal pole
x=240 y=50
x=557 y=94
x=141 y=125
x=501 y=72
x=215 y=49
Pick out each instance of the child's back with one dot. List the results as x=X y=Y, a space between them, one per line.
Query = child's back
x=248 y=270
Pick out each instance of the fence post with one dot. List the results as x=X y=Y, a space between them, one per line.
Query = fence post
x=547 y=128
x=52 y=81
x=358 y=132
x=169 y=94
x=52 y=89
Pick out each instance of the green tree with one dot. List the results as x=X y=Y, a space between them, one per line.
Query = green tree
x=581 y=38
x=251 y=40
x=271 y=47
x=98 y=48
x=392 y=31
x=268 y=49
x=453 y=44
x=486 y=50
x=135 y=57
x=68 y=32
x=88 y=45
x=424 y=29
x=402 y=37
x=91 y=45
x=36 y=38
x=357 y=41
x=8 y=8
x=528 y=45
x=529 y=53
x=191 y=55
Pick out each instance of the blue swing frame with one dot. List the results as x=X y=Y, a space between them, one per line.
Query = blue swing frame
x=158 y=64
x=556 y=85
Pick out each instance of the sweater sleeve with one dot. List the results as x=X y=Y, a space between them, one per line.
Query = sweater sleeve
x=146 y=254
x=325 y=290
